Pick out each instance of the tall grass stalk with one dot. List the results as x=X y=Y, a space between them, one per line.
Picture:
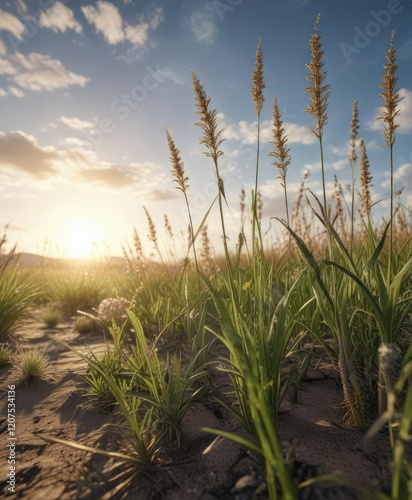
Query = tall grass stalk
x=258 y=99
x=282 y=162
x=318 y=96
x=352 y=161
x=390 y=112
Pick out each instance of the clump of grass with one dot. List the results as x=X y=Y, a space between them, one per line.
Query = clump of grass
x=76 y=290
x=5 y=354
x=85 y=324
x=18 y=291
x=51 y=315
x=31 y=365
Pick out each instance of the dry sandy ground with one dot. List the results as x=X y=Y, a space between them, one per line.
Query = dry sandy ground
x=313 y=440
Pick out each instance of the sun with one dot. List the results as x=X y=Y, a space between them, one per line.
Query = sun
x=81 y=238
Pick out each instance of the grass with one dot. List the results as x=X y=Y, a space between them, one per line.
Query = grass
x=5 y=354
x=338 y=286
x=31 y=365
x=51 y=315
x=18 y=292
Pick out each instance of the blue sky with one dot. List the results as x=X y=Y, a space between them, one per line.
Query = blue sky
x=88 y=87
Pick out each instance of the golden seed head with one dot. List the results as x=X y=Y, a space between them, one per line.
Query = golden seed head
x=281 y=151
x=390 y=95
x=257 y=80
x=177 y=164
x=354 y=126
x=365 y=179
x=318 y=92
x=152 y=228
x=208 y=122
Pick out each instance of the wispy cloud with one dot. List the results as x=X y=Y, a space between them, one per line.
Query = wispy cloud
x=246 y=132
x=111 y=177
x=21 y=154
x=74 y=142
x=20 y=151
x=21 y=6
x=402 y=176
x=59 y=18
x=77 y=123
x=203 y=24
x=107 y=21
x=15 y=91
x=38 y=72
x=9 y=22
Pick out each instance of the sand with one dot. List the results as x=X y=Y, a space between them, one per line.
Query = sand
x=313 y=438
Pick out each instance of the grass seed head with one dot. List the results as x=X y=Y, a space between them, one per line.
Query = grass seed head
x=318 y=91
x=354 y=132
x=390 y=96
x=211 y=137
x=257 y=81
x=280 y=140
x=177 y=165
x=365 y=178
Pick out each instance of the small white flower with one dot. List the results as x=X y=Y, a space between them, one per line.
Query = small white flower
x=112 y=309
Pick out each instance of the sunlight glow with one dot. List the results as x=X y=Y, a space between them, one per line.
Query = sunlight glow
x=81 y=238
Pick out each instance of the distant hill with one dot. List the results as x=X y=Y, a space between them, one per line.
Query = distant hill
x=33 y=260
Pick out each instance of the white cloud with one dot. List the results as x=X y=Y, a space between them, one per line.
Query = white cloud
x=7 y=67
x=402 y=174
x=9 y=22
x=21 y=6
x=20 y=153
x=246 y=132
x=107 y=20
x=59 y=18
x=138 y=34
x=76 y=123
x=203 y=26
x=38 y=72
x=2 y=92
x=73 y=141
x=405 y=117
x=298 y=134
x=15 y=91
x=340 y=164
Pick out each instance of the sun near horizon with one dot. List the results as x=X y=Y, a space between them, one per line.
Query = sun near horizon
x=80 y=238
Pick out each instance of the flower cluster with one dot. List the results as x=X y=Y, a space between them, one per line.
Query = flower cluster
x=113 y=309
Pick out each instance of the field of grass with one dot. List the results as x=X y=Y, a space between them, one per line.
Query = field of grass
x=337 y=291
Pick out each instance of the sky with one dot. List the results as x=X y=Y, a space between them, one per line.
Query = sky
x=87 y=89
